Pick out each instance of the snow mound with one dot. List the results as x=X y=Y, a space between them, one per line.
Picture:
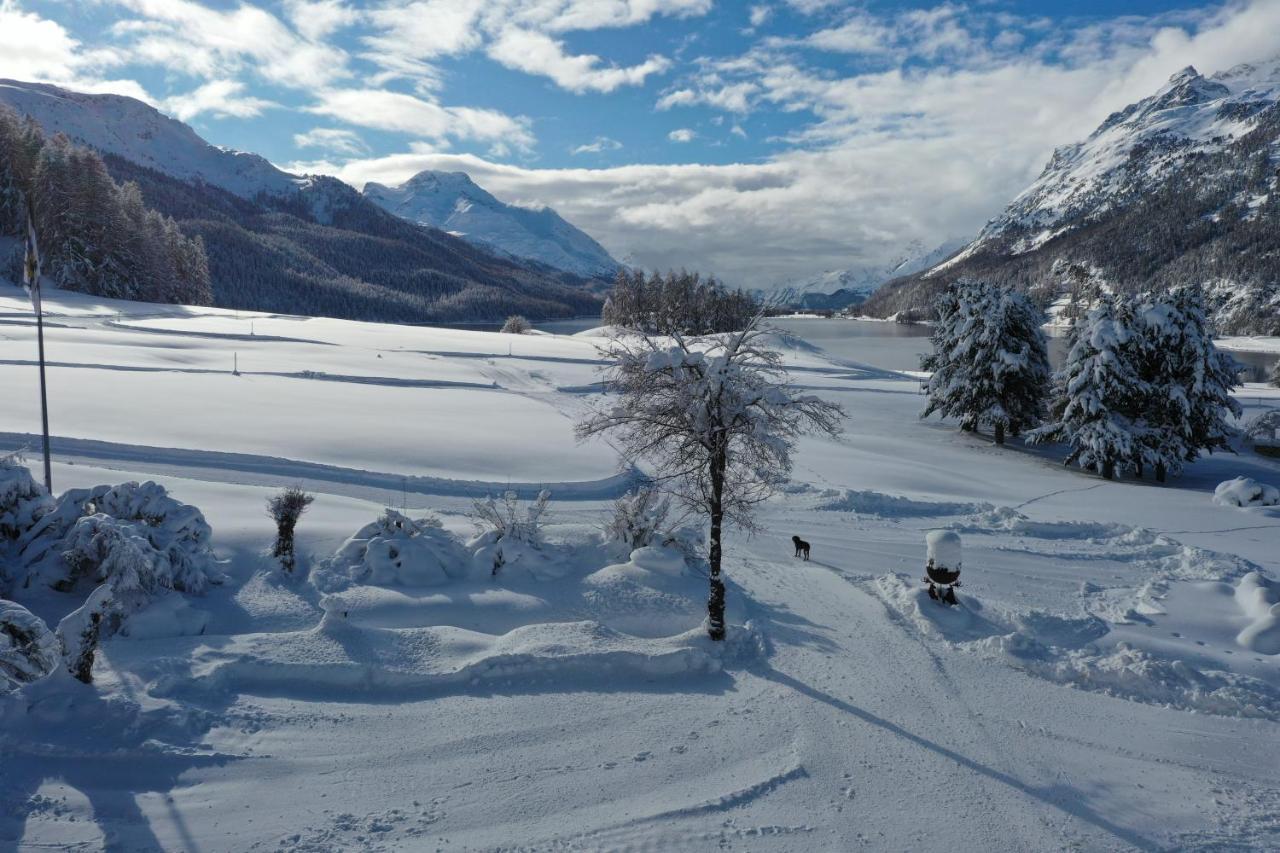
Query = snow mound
x=652 y=594
x=340 y=656
x=893 y=506
x=943 y=547
x=1259 y=598
x=1245 y=492
x=394 y=550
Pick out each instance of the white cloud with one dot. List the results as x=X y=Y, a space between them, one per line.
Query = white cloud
x=395 y=111
x=600 y=143
x=221 y=98
x=337 y=140
x=758 y=15
x=37 y=49
x=537 y=53
x=682 y=134
x=317 y=19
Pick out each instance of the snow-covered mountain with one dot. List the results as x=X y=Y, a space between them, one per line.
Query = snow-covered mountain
x=126 y=127
x=452 y=202
x=836 y=289
x=1179 y=188
x=1190 y=116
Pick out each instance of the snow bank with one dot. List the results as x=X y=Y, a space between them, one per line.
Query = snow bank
x=394 y=550
x=1259 y=599
x=894 y=506
x=652 y=594
x=1245 y=492
x=340 y=656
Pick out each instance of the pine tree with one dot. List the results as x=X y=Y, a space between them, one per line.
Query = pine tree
x=991 y=363
x=1097 y=391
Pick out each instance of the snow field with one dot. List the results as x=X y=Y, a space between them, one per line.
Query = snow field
x=1104 y=683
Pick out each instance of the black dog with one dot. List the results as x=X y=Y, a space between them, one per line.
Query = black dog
x=802 y=547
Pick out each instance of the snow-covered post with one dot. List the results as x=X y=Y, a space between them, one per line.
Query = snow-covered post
x=31 y=278
x=942 y=566
x=716 y=417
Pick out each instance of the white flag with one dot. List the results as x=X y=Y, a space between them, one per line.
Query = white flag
x=31 y=266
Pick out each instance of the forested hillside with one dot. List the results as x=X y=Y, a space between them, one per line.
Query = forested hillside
x=96 y=236
x=325 y=250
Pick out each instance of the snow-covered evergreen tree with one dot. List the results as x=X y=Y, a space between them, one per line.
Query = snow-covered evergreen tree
x=717 y=417
x=1208 y=376
x=990 y=362
x=28 y=649
x=1097 y=390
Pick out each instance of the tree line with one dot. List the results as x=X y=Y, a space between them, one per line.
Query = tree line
x=677 y=302
x=96 y=236
x=1143 y=387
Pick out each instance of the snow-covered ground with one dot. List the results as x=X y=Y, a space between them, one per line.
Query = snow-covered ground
x=1110 y=680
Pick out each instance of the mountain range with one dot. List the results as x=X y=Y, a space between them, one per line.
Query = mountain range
x=835 y=290
x=452 y=202
x=1181 y=187
x=301 y=244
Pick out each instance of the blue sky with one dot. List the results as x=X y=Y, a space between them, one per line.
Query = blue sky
x=760 y=140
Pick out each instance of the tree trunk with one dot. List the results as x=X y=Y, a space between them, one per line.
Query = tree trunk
x=1139 y=469
x=1109 y=469
x=715 y=600
x=1161 y=472
x=999 y=433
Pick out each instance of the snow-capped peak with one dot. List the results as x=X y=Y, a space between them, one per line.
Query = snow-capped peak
x=452 y=202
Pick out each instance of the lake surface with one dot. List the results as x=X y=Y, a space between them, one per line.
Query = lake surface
x=889 y=345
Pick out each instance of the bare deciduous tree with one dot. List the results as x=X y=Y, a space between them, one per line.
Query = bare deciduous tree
x=716 y=417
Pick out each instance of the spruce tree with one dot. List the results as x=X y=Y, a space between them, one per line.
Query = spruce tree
x=991 y=365
x=1097 y=392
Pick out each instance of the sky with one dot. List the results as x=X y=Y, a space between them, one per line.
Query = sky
x=761 y=141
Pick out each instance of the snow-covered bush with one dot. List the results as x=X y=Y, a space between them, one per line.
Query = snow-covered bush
x=516 y=325
x=507 y=529
x=1264 y=427
x=1245 y=491
x=28 y=649
x=394 y=549
x=285 y=509
x=638 y=518
x=23 y=501
x=76 y=533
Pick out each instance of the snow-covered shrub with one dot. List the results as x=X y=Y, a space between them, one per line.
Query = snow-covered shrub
x=638 y=518
x=22 y=500
x=76 y=534
x=1245 y=491
x=1263 y=428
x=28 y=649
x=285 y=509
x=394 y=549
x=507 y=529
x=516 y=325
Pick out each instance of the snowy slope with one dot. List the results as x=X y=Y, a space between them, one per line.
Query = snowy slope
x=1107 y=683
x=452 y=202
x=127 y=127
x=1189 y=116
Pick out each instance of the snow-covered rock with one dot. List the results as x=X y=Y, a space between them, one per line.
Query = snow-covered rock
x=452 y=202
x=1245 y=492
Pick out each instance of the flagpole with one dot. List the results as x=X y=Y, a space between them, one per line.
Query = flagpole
x=33 y=280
